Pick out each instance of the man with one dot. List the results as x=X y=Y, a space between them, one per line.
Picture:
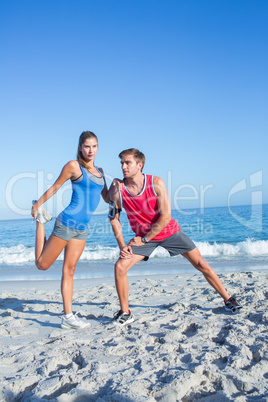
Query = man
x=146 y=202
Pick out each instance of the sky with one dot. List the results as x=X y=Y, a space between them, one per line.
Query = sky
x=183 y=81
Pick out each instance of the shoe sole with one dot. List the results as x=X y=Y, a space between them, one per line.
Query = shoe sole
x=43 y=222
x=231 y=311
x=46 y=217
x=118 y=324
x=70 y=327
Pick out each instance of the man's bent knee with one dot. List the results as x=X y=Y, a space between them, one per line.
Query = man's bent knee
x=120 y=267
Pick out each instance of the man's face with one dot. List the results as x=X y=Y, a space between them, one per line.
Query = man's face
x=130 y=167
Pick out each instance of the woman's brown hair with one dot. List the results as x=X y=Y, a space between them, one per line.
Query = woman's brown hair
x=83 y=137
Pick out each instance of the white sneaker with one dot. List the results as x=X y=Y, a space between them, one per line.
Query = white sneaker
x=42 y=215
x=74 y=323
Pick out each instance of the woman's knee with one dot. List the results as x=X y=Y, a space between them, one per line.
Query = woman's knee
x=42 y=265
x=69 y=270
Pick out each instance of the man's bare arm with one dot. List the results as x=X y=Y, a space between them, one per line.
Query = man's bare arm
x=114 y=194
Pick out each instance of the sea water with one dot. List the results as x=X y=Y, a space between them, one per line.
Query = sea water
x=230 y=239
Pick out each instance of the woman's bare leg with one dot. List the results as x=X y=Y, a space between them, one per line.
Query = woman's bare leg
x=46 y=251
x=73 y=251
x=40 y=239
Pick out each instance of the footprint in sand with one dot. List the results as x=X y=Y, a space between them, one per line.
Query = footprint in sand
x=191 y=329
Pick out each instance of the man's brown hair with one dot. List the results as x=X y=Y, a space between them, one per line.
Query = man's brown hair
x=138 y=155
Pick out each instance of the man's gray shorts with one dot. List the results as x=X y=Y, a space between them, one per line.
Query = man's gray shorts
x=178 y=243
x=65 y=233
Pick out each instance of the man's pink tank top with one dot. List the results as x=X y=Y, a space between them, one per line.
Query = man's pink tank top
x=142 y=211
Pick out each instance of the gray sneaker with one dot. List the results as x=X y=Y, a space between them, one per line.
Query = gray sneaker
x=74 y=323
x=121 y=318
x=232 y=305
x=42 y=215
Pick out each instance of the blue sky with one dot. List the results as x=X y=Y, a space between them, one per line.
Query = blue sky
x=183 y=81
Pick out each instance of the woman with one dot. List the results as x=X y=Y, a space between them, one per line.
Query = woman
x=71 y=226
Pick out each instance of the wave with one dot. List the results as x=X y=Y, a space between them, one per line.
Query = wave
x=248 y=249
x=16 y=254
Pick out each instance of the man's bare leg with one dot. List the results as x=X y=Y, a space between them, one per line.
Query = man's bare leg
x=195 y=258
x=121 y=279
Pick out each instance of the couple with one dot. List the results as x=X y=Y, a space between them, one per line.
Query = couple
x=146 y=202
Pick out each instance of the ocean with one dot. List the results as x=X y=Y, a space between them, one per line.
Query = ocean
x=230 y=239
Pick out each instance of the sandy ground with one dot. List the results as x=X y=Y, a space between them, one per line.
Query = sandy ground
x=182 y=346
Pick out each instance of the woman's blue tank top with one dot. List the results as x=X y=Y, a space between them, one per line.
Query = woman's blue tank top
x=85 y=199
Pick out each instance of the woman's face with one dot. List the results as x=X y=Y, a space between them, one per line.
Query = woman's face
x=89 y=149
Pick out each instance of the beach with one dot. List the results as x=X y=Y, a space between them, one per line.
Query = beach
x=182 y=346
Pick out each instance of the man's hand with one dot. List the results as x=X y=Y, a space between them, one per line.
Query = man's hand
x=126 y=252
x=115 y=187
x=136 y=241
x=118 y=183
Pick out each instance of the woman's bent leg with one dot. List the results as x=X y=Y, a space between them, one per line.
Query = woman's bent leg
x=40 y=239
x=46 y=252
x=73 y=251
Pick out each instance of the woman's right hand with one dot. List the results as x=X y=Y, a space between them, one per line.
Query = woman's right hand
x=34 y=211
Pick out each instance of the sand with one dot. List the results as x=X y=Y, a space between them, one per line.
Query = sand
x=182 y=346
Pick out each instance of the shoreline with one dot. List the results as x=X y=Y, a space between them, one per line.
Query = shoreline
x=105 y=270
x=182 y=345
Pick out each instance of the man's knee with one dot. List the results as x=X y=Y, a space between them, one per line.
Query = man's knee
x=202 y=266
x=196 y=259
x=120 y=267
